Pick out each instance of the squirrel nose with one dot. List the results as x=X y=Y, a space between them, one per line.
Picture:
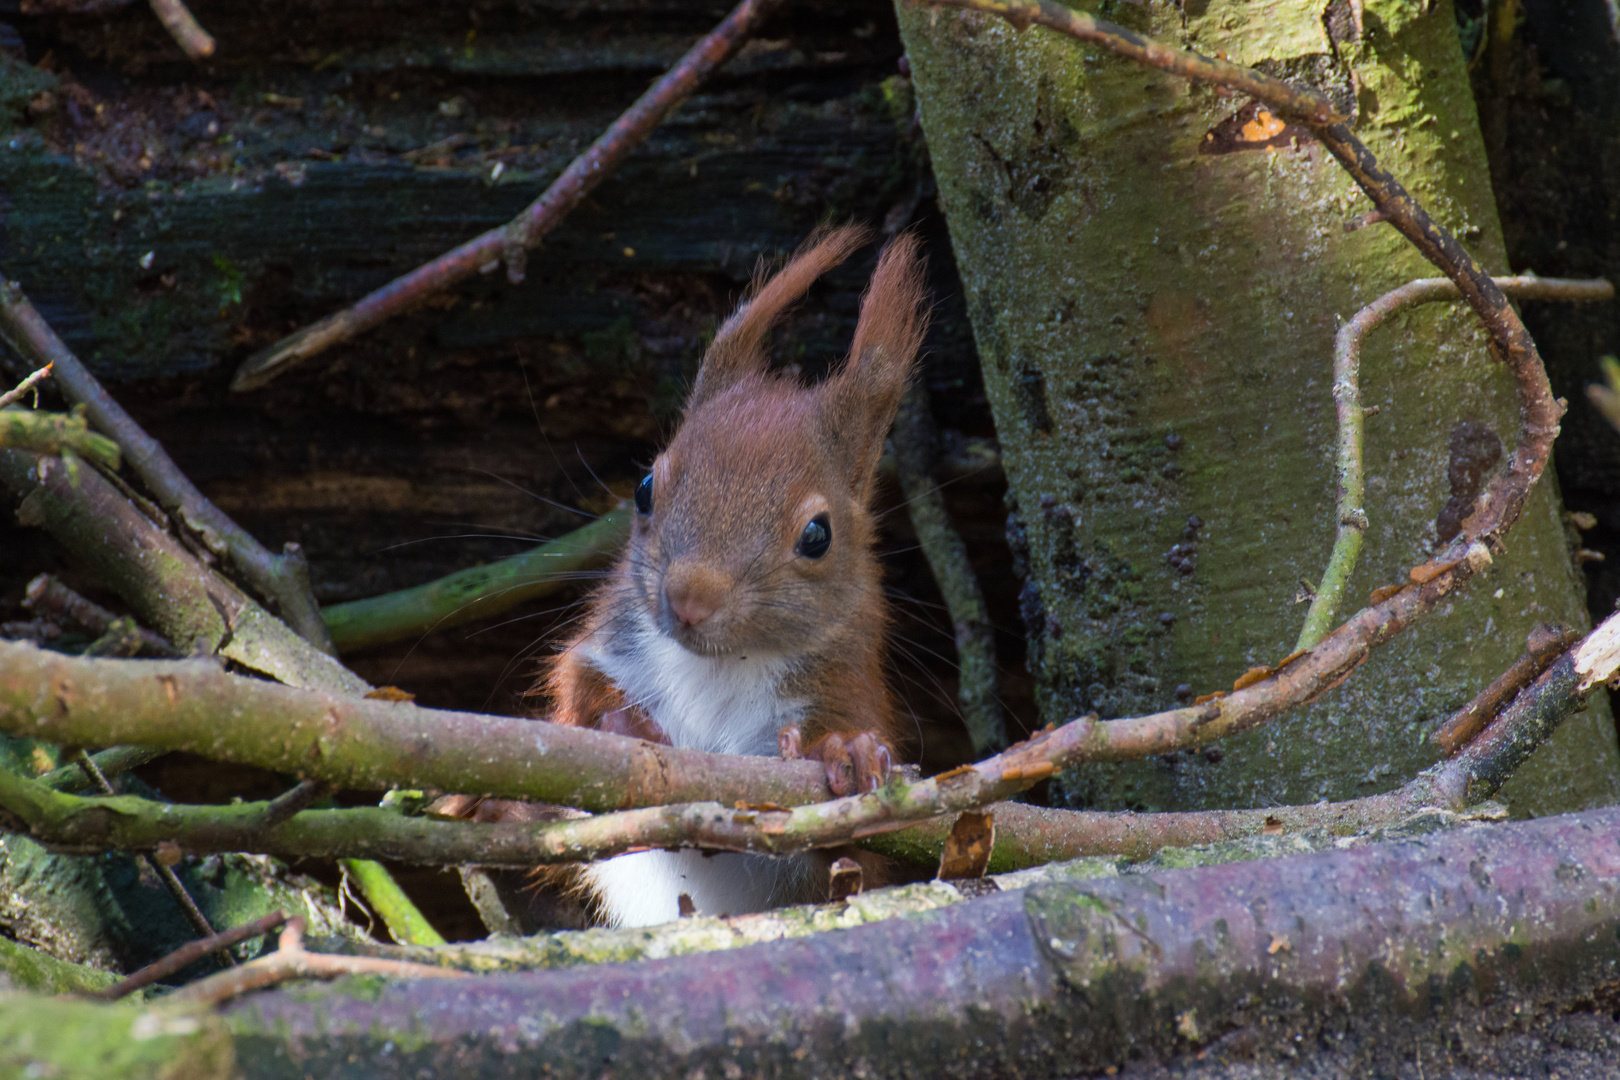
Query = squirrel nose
x=693 y=593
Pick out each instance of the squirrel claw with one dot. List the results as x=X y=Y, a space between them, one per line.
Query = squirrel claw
x=790 y=742
x=855 y=762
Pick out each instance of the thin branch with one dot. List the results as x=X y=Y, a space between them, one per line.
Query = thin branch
x=915 y=451
x=476 y=592
x=177 y=19
x=283 y=578
x=112 y=762
x=47 y=596
x=1300 y=101
x=370 y=744
x=165 y=873
x=21 y=389
x=290 y=962
x=1545 y=644
x=512 y=242
x=405 y=923
x=52 y=433
x=1352 y=517
x=190 y=953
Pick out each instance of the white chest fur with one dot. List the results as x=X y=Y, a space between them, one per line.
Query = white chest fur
x=722 y=704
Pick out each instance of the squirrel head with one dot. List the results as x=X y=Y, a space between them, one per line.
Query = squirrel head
x=752 y=532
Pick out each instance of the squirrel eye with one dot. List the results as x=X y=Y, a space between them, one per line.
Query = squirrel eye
x=816 y=538
x=644 y=495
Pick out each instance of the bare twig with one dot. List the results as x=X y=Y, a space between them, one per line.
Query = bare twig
x=190 y=953
x=177 y=19
x=1303 y=102
x=111 y=762
x=170 y=879
x=301 y=796
x=1545 y=643
x=22 y=388
x=1352 y=517
x=46 y=595
x=405 y=923
x=282 y=578
x=978 y=682
x=290 y=961
x=512 y=242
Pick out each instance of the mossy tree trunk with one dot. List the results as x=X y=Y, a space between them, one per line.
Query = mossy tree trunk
x=1154 y=274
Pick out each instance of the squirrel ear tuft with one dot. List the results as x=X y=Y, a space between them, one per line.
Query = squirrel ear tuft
x=859 y=402
x=739 y=348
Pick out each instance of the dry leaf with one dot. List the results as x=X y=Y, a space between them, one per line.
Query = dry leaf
x=844 y=880
x=390 y=693
x=967 y=849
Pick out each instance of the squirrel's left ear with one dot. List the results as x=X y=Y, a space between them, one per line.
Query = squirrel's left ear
x=859 y=402
x=738 y=349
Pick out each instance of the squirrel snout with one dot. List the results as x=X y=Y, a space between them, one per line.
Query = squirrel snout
x=693 y=594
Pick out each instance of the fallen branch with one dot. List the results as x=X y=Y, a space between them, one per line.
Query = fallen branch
x=1062 y=979
x=160 y=577
x=282 y=578
x=1352 y=517
x=49 y=598
x=512 y=242
x=1026 y=835
x=291 y=962
x=165 y=873
x=1544 y=646
x=406 y=925
x=190 y=953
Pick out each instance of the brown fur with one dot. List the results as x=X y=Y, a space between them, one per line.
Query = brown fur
x=715 y=565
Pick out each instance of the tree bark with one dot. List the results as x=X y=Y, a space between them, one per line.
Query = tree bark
x=1056 y=980
x=1153 y=272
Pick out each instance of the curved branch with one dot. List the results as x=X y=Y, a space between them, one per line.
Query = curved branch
x=1352 y=518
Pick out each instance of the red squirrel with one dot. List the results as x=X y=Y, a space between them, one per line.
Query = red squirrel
x=746 y=615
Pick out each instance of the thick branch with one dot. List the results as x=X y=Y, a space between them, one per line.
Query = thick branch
x=478 y=591
x=283 y=578
x=1030 y=835
x=166 y=584
x=511 y=242
x=1062 y=979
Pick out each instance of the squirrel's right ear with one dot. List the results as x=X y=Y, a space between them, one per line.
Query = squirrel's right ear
x=739 y=347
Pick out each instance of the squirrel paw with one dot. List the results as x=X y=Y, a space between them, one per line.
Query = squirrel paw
x=855 y=761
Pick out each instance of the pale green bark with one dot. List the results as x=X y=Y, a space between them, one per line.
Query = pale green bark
x=1155 y=327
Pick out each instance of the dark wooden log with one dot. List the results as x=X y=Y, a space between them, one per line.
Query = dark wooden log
x=1369 y=953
